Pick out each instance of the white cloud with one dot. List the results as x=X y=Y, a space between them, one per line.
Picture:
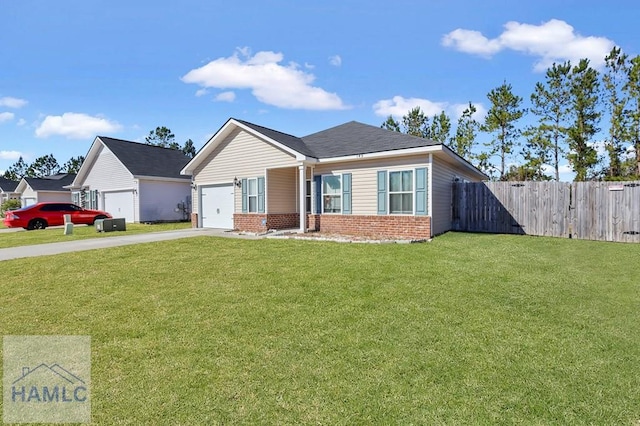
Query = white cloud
x=552 y=41
x=6 y=116
x=599 y=146
x=21 y=122
x=225 y=97
x=201 y=92
x=335 y=60
x=10 y=102
x=398 y=106
x=284 y=86
x=10 y=155
x=75 y=126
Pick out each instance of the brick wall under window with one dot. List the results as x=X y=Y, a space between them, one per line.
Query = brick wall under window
x=391 y=226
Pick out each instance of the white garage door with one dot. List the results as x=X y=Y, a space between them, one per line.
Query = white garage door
x=217 y=206
x=28 y=202
x=119 y=204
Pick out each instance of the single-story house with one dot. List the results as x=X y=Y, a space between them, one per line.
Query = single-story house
x=135 y=181
x=49 y=188
x=353 y=179
x=8 y=190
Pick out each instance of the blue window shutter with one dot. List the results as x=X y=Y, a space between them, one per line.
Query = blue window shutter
x=382 y=192
x=261 y=194
x=318 y=185
x=421 y=192
x=346 y=193
x=75 y=198
x=245 y=199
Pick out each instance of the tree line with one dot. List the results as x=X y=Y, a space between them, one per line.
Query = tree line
x=567 y=109
x=47 y=165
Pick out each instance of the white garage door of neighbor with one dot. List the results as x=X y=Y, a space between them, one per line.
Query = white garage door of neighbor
x=217 y=206
x=119 y=204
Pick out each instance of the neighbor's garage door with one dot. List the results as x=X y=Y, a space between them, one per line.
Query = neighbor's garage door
x=217 y=206
x=119 y=204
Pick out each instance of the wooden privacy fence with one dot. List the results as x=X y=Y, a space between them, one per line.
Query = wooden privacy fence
x=605 y=211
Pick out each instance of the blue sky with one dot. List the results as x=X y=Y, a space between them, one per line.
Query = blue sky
x=74 y=69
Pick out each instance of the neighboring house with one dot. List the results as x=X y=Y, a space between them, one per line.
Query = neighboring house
x=135 y=181
x=8 y=190
x=353 y=179
x=49 y=188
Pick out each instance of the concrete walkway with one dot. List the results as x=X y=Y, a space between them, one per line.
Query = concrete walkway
x=114 y=241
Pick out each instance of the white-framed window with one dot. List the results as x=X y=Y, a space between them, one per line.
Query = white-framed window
x=252 y=195
x=331 y=194
x=308 y=197
x=401 y=192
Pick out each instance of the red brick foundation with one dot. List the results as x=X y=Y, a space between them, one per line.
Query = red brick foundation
x=263 y=222
x=406 y=227
x=194 y=220
x=250 y=222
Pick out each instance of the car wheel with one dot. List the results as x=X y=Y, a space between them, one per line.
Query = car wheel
x=101 y=216
x=37 y=224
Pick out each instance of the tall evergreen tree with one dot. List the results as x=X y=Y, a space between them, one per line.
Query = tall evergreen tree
x=391 y=124
x=464 y=139
x=614 y=80
x=415 y=123
x=440 y=128
x=163 y=137
x=73 y=164
x=501 y=120
x=550 y=103
x=536 y=154
x=632 y=90
x=189 y=149
x=17 y=170
x=43 y=166
x=584 y=99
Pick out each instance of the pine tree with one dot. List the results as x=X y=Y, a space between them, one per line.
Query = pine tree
x=501 y=119
x=550 y=102
x=632 y=90
x=614 y=81
x=464 y=140
x=584 y=99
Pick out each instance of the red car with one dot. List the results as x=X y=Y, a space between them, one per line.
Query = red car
x=41 y=215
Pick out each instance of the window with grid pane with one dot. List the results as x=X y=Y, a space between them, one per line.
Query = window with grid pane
x=252 y=195
x=331 y=194
x=401 y=192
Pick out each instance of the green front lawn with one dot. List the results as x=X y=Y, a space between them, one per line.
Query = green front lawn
x=56 y=235
x=467 y=329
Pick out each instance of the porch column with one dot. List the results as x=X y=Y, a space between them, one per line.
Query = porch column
x=312 y=204
x=303 y=189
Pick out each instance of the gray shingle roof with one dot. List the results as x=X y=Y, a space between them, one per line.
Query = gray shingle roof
x=51 y=183
x=148 y=160
x=7 y=185
x=351 y=138
x=354 y=138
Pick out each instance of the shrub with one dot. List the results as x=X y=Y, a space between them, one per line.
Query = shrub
x=9 y=205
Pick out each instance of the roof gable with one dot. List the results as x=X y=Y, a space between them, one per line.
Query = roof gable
x=147 y=160
x=293 y=142
x=50 y=183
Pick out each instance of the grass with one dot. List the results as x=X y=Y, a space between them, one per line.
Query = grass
x=56 y=235
x=468 y=329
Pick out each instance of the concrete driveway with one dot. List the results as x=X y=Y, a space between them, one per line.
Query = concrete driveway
x=120 y=240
